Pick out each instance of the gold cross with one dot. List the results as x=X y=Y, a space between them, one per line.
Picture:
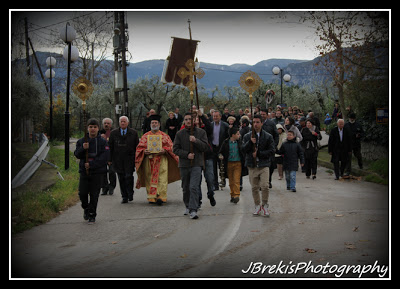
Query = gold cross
x=250 y=81
x=183 y=73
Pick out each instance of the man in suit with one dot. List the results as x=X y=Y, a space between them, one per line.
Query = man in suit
x=220 y=133
x=340 y=147
x=123 y=142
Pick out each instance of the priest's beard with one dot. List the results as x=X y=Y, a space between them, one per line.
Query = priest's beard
x=155 y=128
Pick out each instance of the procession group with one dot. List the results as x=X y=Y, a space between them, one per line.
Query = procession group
x=198 y=144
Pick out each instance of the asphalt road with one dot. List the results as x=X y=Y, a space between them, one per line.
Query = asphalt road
x=324 y=226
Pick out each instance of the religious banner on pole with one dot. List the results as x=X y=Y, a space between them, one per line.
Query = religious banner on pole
x=181 y=50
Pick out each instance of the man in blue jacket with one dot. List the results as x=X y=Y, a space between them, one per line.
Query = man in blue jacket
x=92 y=151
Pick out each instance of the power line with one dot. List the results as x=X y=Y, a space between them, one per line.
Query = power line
x=241 y=72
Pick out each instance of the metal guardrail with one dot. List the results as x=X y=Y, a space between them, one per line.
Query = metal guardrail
x=32 y=165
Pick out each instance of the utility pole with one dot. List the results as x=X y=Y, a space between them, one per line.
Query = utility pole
x=120 y=43
x=116 y=45
x=123 y=51
x=28 y=62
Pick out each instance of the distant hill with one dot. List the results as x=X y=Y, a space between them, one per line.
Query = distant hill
x=303 y=72
x=216 y=74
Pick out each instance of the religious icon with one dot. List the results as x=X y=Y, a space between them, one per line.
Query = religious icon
x=154 y=143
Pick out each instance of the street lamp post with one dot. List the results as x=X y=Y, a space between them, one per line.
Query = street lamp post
x=50 y=73
x=277 y=70
x=67 y=35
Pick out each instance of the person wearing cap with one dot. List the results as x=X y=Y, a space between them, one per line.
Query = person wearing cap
x=328 y=119
x=92 y=151
x=156 y=164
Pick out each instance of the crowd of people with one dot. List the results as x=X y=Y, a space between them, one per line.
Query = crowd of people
x=218 y=145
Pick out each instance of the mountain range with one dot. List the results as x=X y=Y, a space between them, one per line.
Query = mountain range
x=303 y=72
x=222 y=75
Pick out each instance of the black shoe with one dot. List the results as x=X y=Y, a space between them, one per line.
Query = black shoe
x=159 y=202
x=92 y=220
x=124 y=201
x=86 y=214
x=104 y=192
x=235 y=200
x=130 y=198
x=314 y=177
x=212 y=201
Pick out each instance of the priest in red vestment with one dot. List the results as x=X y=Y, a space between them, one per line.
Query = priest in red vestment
x=156 y=164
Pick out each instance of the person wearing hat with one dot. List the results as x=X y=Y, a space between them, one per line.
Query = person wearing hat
x=156 y=164
x=92 y=151
x=328 y=119
x=357 y=133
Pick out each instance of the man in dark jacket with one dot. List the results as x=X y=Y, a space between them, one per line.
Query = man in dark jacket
x=339 y=147
x=259 y=149
x=93 y=154
x=123 y=142
x=190 y=150
x=220 y=133
x=270 y=127
x=357 y=134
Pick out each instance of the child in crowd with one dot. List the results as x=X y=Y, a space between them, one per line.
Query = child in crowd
x=232 y=156
x=291 y=151
x=93 y=152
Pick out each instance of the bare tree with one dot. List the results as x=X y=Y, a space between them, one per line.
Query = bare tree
x=94 y=37
x=347 y=37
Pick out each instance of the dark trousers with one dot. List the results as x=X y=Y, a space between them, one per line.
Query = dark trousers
x=89 y=190
x=126 y=185
x=216 y=163
x=191 y=178
x=111 y=177
x=341 y=157
x=310 y=164
x=357 y=154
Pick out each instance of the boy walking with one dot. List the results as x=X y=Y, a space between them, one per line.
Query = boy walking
x=232 y=156
x=92 y=151
x=291 y=152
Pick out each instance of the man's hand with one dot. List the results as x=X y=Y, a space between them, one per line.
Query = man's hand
x=191 y=156
x=162 y=151
x=192 y=138
x=85 y=145
x=255 y=153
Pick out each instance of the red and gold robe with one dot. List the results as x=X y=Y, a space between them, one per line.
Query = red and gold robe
x=156 y=171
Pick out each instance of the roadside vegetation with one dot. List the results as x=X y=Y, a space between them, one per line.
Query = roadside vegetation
x=34 y=207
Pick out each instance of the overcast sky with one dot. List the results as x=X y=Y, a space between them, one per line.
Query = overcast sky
x=226 y=37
